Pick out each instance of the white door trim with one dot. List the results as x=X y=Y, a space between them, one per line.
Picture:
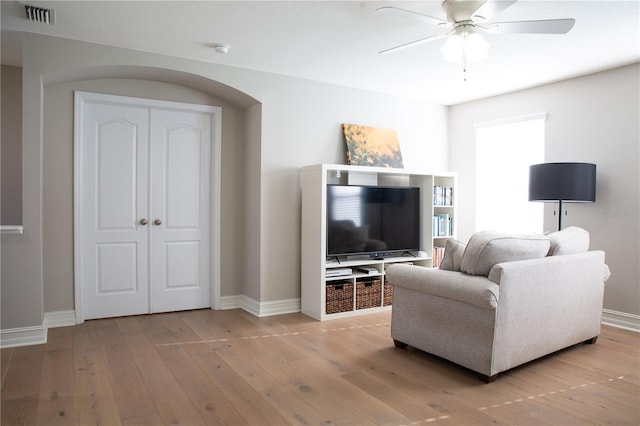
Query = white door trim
x=80 y=100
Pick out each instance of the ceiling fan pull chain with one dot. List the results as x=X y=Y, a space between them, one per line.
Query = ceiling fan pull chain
x=464 y=66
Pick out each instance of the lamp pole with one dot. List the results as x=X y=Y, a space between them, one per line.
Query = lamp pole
x=559 y=215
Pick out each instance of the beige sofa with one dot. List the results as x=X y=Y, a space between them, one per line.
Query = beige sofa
x=506 y=300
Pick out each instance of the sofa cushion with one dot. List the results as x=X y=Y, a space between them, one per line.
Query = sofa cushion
x=570 y=240
x=487 y=248
x=453 y=252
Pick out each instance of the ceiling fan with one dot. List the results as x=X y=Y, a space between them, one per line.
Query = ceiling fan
x=466 y=19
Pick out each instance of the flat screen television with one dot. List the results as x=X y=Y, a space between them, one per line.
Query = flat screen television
x=374 y=220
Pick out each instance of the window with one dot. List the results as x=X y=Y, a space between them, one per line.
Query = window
x=504 y=151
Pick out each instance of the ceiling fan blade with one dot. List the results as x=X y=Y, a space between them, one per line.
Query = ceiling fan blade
x=392 y=10
x=545 y=26
x=412 y=44
x=491 y=8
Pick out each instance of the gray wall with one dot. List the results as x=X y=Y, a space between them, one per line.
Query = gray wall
x=11 y=146
x=592 y=119
x=286 y=123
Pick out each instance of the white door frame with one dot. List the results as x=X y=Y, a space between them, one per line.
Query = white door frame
x=81 y=99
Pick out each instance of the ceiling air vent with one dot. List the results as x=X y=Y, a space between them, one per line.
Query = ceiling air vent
x=39 y=14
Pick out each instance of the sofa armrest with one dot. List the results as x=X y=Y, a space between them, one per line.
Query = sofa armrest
x=566 y=264
x=547 y=304
x=474 y=290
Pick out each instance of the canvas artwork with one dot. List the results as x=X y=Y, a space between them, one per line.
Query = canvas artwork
x=372 y=146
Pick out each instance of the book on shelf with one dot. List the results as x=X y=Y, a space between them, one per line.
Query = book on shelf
x=442 y=225
x=438 y=255
x=442 y=195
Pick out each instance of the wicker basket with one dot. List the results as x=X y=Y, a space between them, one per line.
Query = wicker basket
x=339 y=297
x=388 y=294
x=368 y=293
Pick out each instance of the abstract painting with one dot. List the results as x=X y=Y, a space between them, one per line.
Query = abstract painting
x=372 y=146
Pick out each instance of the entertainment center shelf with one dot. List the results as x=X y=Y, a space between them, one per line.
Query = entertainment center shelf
x=378 y=264
x=351 y=291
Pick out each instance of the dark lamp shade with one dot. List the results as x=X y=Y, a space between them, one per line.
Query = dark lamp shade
x=567 y=182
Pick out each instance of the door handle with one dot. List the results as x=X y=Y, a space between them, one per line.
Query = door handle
x=143 y=221
x=157 y=222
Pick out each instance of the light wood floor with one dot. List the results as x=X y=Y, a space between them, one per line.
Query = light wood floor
x=228 y=367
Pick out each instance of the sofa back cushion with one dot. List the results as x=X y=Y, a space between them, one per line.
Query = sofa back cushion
x=453 y=252
x=570 y=240
x=487 y=248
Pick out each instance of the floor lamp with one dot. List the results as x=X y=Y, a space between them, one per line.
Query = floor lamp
x=562 y=182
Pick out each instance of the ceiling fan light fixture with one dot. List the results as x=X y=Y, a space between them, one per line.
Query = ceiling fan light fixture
x=465 y=45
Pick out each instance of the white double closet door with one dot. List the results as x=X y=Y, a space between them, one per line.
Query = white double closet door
x=143 y=196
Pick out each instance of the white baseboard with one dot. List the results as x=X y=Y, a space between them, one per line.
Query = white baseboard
x=232 y=302
x=279 y=307
x=59 y=319
x=23 y=336
x=36 y=335
x=260 y=309
x=621 y=320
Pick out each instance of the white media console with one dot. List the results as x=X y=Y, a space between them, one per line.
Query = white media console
x=318 y=272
